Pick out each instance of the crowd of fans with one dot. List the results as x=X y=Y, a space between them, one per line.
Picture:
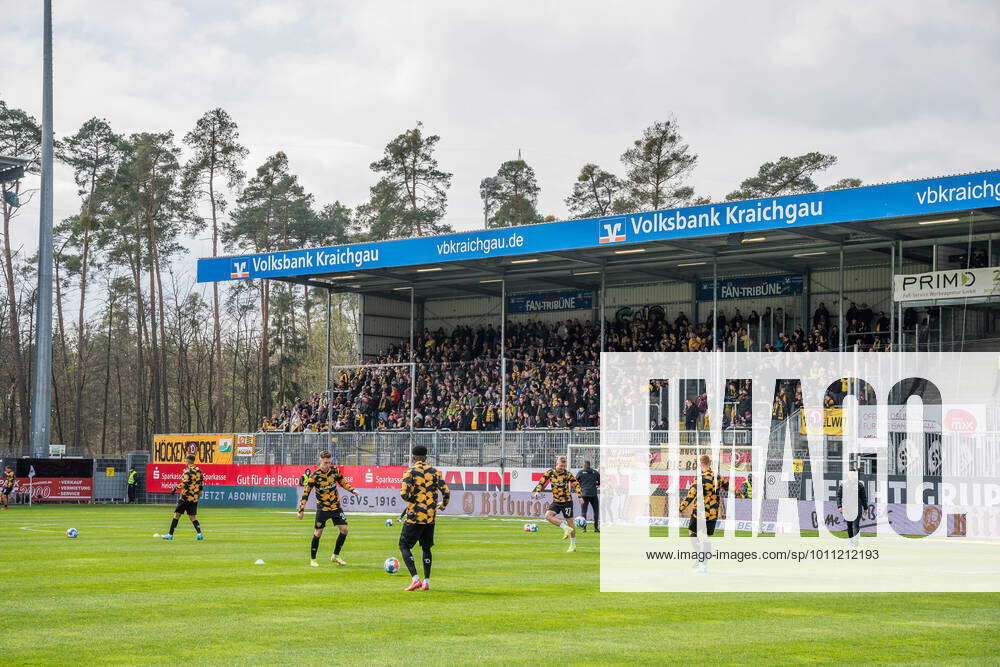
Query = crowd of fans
x=552 y=378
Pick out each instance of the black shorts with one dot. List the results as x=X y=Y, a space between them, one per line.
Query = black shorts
x=709 y=525
x=7 y=490
x=413 y=533
x=188 y=506
x=336 y=516
x=566 y=509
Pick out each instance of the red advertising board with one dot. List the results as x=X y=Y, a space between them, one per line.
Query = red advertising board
x=56 y=488
x=162 y=477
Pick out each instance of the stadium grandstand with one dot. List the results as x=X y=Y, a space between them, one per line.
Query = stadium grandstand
x=449 y=325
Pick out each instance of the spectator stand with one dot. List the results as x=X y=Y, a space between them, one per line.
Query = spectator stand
x=480 y=327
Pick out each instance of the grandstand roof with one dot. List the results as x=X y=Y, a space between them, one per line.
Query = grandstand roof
x=793 y=233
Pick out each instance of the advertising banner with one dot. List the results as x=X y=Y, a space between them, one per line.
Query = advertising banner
x=246 y=444
x=936 y=419
x=953 y=284
x=162 y=477
x=251 y=496
x=56 y=488
x=753 y=288
x=877 y=202
x=209 y=448
x=547 y=302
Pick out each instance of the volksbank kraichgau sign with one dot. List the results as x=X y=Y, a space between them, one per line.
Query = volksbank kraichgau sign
x=953 y=284
x=929 y=196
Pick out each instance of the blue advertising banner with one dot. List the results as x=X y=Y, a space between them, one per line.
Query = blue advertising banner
x=752 y=288
x=547 y=302
x=877 y=202
x=251 y=496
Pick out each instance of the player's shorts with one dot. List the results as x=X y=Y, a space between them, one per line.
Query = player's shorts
x=336 y=516
x=413 y=533
x=7 y=490
x=709 y=525
x=566 y=509
x=190 y=507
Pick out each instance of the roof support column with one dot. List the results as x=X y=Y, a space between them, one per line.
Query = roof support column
x=503 y=375
x=361 y=328
x=715 y=304
x=329 y=375
x=329 y=315
x=892 y=296
x=603 y=307
x=842 y=339
x=413 y=372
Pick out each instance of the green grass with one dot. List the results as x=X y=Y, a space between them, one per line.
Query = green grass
x=116 y=595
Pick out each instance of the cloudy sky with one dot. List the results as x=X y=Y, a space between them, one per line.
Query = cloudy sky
x=895 y=90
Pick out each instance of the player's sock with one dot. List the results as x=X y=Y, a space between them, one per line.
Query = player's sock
x=340 y=543
x=173 y=525
x=408 y=560
x=197 y=527
x=427 y=564
x=315 y=547
x=572 y=541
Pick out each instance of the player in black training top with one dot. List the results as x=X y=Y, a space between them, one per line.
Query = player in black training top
x=191 y=484
x=421 y=485
x=324 y=481
x=712 y=489
x=6 y=486
x=560 y=511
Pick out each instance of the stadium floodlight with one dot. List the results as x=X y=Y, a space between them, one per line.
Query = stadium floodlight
x=809 y=254
x=693 y=264
x=585 y=273
x=629 y=251
x=401 y=289
x=938 y=222
x=524 y=261
x=491 y=280
x=342 y=277
x=12 y=169
x=755 y=239
x=433 y=268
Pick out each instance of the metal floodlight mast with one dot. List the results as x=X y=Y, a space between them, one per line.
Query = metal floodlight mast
x=42 y=399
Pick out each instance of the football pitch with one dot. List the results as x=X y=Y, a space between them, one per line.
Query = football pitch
x=500 y=595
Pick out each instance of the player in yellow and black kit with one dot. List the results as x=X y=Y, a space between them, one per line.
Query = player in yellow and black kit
x=712 y=487
x=7 y=487
x=560 y=511
x=191 y=484
x=324 y=481
x=421 y=485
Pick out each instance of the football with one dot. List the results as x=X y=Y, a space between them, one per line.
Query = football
x=71 y=532
x=530 y=528
x=391 y=565
x=580 y=522
x=388 y=523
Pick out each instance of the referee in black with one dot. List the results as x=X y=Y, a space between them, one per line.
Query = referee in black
x=853 y=484
x=590 y=482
